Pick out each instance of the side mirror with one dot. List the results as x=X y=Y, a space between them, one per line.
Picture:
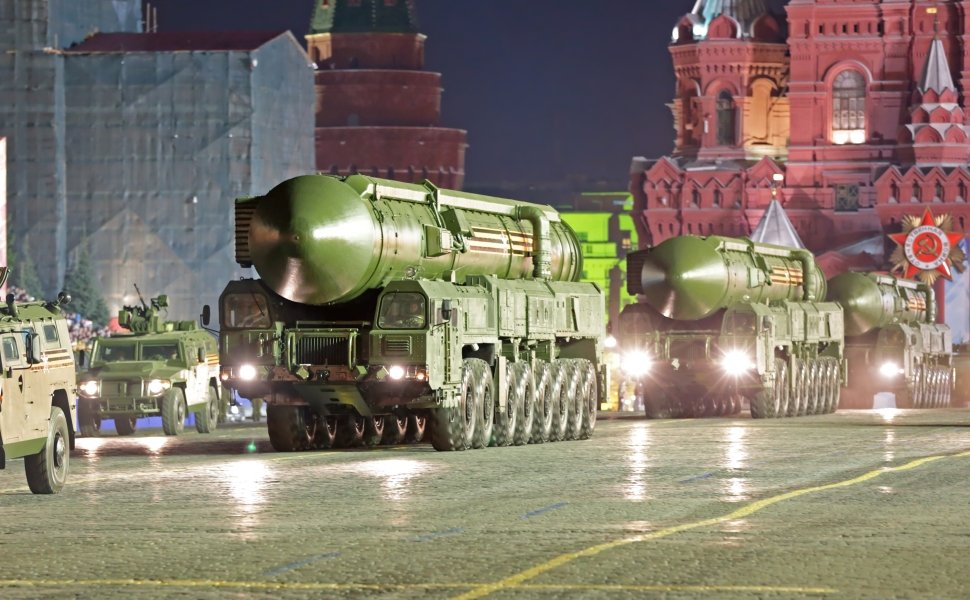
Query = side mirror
x=446 y=309
x=63 y=298
x=33 y=348
x=206 y=314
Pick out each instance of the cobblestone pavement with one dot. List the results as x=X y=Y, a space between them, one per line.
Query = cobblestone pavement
x=859 y=504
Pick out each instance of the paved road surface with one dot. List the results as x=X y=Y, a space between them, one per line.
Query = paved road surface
x=859 y=504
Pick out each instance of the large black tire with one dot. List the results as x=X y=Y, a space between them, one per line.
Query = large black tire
x=453 y=427
x=768 y=403
x=834 y=385
x=173 y=411
x=350 y=431
x=544 y=402
x=126 y=425
x=572 y=401
x=567 y=389
x=417 y=429
x=88 y=419
x=395 y=429
x=575 y=423
x=485 y=401
x=207 y=419
x=590 y=399
x=527 y=395
x=290 y=427
x=508 y=419
x=373 y=431
x=47 y=470
x=325 y=435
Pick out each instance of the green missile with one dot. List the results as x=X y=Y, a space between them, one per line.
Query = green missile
x=689 y=278
x=872 y=300
x=322 y=239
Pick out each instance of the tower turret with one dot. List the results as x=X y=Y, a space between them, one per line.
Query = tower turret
x=378 y=110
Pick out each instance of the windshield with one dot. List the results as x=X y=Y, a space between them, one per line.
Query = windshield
x=245 y=310
x=114 y=352
x=741 y=323
x=402 y=310
x=160 y=351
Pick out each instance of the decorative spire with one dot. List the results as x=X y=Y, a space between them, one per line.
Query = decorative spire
x=936 y=71
x=776 y=228
x=364 y=16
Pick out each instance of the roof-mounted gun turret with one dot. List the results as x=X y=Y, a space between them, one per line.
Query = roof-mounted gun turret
x=146 y=318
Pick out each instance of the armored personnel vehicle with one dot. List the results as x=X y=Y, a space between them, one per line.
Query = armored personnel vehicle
x=167 y=368
x=37 y=391
x=893 y=342
x=384 y=305
x=725 y=321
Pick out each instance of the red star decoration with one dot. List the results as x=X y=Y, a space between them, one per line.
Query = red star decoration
x=925 y=246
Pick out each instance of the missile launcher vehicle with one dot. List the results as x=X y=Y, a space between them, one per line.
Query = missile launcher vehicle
x=724 y=322
x=37 y=391
x=162 y=368
x=893 y=342
x=383 y=307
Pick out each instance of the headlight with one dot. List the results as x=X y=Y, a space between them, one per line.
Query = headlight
x=157 y=386
x=736 y=362
x=890 y=369
x=247 y=372
x=636 y=363
x=609 y=342
x=89 y=388
x=396 y=372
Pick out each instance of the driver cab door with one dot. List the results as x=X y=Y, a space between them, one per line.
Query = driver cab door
x=14 y=408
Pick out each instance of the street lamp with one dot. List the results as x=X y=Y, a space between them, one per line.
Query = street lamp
x=776 y=178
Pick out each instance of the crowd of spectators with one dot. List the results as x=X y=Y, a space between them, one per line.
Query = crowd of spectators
x=82 y=330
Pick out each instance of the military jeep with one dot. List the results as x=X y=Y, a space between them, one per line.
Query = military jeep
x=167 y=368
x=37 y=391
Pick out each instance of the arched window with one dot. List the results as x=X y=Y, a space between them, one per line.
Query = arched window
x=849 y=108
x=695 y=198
x=939 y=192
x=915 y=195
x=717 y=197
x=725 y=119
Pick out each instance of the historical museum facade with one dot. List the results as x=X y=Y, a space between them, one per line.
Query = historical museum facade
x=850 y=114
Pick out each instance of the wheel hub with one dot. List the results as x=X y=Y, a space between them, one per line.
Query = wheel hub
x=60 y=450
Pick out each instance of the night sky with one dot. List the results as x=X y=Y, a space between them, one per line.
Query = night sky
x=547 y=89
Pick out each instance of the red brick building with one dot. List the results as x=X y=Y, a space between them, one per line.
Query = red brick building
x=377 y=110
x=853 y=111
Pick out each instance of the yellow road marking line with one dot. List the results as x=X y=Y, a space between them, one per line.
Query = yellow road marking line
x=744 y=511
x=280 y=585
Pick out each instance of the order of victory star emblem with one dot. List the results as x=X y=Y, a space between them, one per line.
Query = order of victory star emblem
x=927 y=248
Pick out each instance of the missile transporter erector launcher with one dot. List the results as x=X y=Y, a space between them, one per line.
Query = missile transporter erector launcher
x=37 y=391
x=722 y=321
x=893 y=342
x=383 y=307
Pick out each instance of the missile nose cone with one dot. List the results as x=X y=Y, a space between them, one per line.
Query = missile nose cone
x=684 y=278
x=313 y=240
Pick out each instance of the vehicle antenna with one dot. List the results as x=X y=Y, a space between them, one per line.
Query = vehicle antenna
x=140 y=299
